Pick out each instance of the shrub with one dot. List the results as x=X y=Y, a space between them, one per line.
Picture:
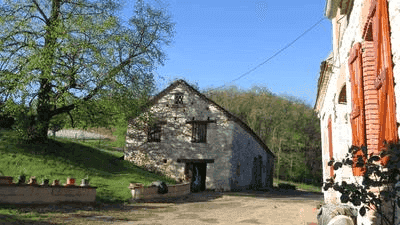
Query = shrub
x=286 y=186
x=376 y=176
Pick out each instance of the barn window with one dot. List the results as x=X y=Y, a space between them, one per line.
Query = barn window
x=342 y=96
x=178 y=98
x=199 y=132
x=154 y=133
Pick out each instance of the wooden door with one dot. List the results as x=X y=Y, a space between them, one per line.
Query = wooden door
x=256 y=179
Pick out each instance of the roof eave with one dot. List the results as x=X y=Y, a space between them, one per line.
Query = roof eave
x=331 y=8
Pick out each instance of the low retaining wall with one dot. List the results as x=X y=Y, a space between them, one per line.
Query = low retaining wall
x=11 y=193
x=141 y=192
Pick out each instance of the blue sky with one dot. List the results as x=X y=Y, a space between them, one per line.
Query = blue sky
x=218 y=41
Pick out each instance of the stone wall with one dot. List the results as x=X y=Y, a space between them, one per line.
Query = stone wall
x=139 y=192
x=245 y=170
x=39 y=194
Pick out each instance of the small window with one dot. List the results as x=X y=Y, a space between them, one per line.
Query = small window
x=154 y=133
x=199 y=132
x=342 y=96
x=178 y=98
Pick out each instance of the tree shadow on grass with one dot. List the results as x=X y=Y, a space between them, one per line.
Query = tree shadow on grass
x=67 y=152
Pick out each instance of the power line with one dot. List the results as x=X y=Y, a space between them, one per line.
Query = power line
x=277 y=53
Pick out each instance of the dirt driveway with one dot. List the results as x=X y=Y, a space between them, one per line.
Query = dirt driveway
x=294 y=207
x=273 y=207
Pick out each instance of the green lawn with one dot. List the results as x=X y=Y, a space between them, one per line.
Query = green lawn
x=299 y=186
x=62 y=158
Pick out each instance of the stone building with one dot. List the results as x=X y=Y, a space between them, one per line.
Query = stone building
x=183 y=134
x=357 y=95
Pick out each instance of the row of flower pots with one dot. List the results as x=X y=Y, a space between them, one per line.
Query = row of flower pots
x=32 y=181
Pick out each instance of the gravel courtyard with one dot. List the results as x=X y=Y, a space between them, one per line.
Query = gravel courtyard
x=230 y=208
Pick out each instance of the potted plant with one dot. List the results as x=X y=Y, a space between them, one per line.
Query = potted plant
x=70 y=181
x=56 y=183
x=32 y=180
x=45 y=182
x=21 y=179
x=85 y=182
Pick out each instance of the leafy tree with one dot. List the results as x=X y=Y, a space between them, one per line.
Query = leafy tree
x=384 y=199
x=57 y=56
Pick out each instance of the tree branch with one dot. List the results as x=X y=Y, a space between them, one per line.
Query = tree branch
x=41 y=12
x=72 y=119
x=64 y=109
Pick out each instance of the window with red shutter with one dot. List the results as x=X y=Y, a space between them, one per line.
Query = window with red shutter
x=330 y=145
x=357 y=104
x=377 y=30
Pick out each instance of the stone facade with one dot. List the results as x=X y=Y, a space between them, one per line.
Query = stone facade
x=334 y=100
x=226 y=149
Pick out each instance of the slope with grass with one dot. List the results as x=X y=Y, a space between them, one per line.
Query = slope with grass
x=62 y=158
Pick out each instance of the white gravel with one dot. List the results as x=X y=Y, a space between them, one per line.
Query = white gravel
x=79 y=134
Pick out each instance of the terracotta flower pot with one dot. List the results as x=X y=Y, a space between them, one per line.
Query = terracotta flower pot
x=56 y=183
x=70 y=181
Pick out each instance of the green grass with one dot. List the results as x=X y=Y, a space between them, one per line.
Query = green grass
x=299 y=186
x=63 y=158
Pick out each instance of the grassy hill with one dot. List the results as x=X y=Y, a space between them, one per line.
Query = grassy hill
x=62 y=158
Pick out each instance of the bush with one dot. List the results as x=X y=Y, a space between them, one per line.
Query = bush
x=6 y=122
x=375 y=176
x=287 y=186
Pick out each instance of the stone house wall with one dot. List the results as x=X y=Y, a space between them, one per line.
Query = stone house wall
x=348 y=30
x=245 y=168
x=176 y=138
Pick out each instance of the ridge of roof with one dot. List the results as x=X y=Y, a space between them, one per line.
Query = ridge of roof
x=226 y=112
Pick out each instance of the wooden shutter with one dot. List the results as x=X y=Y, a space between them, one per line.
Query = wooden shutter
x=357 y=104
x=377 y=27
x=330 y=145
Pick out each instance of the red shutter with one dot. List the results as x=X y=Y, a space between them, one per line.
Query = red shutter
x=330 y=145
x=384 y=84
x=358 y=111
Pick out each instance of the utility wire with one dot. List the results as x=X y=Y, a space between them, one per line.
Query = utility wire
x=277 y=53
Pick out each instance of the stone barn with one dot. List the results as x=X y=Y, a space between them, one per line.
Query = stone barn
x=183 y=134
x=357 y=95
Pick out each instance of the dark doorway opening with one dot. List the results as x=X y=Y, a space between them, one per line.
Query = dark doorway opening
x=256 y=181
x=196 y=169
x=198 y=182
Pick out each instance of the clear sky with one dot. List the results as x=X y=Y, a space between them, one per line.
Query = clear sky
x=217 y=41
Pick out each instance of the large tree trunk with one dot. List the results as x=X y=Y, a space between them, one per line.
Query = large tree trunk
x=44 y=108
x=44 y=113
